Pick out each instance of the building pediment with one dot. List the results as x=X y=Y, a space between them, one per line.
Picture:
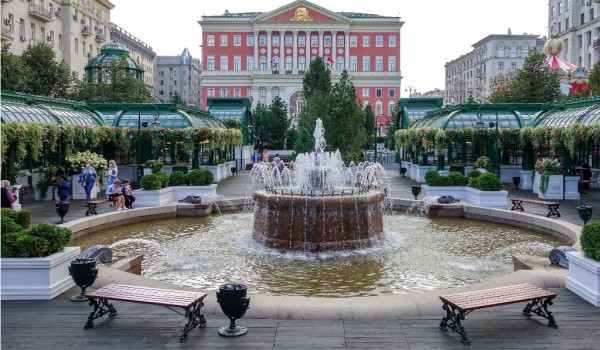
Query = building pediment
x=301 y=11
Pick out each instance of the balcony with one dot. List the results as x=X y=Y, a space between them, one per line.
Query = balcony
x=7 y=33
x=596 y=43
x=101 y=38
x=40 y=12
x=86 y=31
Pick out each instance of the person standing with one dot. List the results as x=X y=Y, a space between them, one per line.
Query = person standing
x=6 y=197
x=255 y=157
x=90 y=178
x=112 y=172
x=265 y=155
x=63 y=189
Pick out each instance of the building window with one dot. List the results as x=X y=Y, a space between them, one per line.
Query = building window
x=588 y=38
x=275 y=40
x=500 y=65
x=211 y=92
x=378 y=92
x=353 y=64
x=84 y=47
x=552 y=12
x=288 y=64
x=224 y=63
x=301 y=41
x=391 y=106
x=378 y=108
x=237 y=63
x=392 y=41
x=237 y=40
x=262 y=40
x=301 y=64
x=162 y=82
x=21 y=27
x=365 y=92
x=353 y=41
x=250 y=63
x=249 y=93
x=76 y=45
x=237 y=92
x=314 y=41
x=340 y=41
x=392 y=64
x=591 y=14
x=391 y=93
x=525 y=50
x=500 y=50
x=223 y=40
x=340 y=64
x=366 y=64
x=263 y=92
x=275 y=92
x=513 y=66
x=288 y=40
x=365 y=42
x=513 y=50
x=32 y=27
x=211 y=40
x=211 y=63
x=582 y=19
x=566 y=23
x=161 y=92
x=224 y=92
x=52 y=40
x=275 y=63
x=379 y=40
x=263 y=63
x=327 y=41
x=379 y=64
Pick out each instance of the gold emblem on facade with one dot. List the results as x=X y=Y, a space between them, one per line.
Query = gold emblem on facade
x=301 y=15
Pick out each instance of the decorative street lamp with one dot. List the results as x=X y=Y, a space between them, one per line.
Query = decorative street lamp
x=155 y=126
x=410 y=89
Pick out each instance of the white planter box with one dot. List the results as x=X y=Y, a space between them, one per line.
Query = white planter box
x=38 y=195
x=457 y=192
x=487 y=199
x=526 y=180
x=214 y=169
x=180 y=192
x=421 y=170
x=555 y=188
x=37 y=278
x=79 y=191
x=145 y=198
x=536 y=183
x=572 y=188
x=584 y=277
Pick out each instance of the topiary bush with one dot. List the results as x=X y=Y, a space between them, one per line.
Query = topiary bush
x=163 y=178
x=148 y=181
x=177 y=178
x=194 y=177
x=207 y=178
x=23 y=218
x=432 y=178
x=590 y=240
x=489 y=182
x=457 y=178
x=57 y=237
x=444 y=181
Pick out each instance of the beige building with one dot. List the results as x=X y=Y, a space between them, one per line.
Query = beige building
x=75 y=29
x=178 y=75
x=138 y=50
x=577 y=23
x=493 y=60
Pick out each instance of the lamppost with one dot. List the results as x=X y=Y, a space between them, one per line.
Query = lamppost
x=155 y=125
x=410 y=89
x=493 y=125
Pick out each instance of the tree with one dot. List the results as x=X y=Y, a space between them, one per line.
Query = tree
x=176 y=99
x=15 y=73
x=317 y=80
x=594 y=80
x=343 y=125
x=369 y=126
x=271 y=123
x=49 y=78
x=536 y=82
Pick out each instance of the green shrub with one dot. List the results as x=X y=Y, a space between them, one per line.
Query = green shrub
x=9 y=213
x=444 y=181
x=457 y=178
x=473 y=173
x=8 y=245
x=177 y=178
x=432 y=177
x=489 y=182
x=163 y=178
x=40 y=240
x=56 y=237
x=148 y=180
x=194 y=177
x=9 y=225
x=23 y=218
x=590 y=240
x=156 y=185
x=28 y=246
x=207 y=178
x=473 y=182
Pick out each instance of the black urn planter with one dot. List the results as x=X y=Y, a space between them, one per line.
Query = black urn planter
x=84 y=273
x=62 y=208
x=234 y=303
x=585 y=213
x=403 y=171
x=516 y=181
x=416 y=190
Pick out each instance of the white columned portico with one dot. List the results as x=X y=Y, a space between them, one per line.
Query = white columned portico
x=333 y=50
x=269 y=61
x=295 y=51
x=321 y=32
x=281 y=66
x=347 y=49
x=307 y=48
x=256 y=61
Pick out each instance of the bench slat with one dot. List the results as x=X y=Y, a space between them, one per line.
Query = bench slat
x=147 y=295
x=534 y=201
x=496 y=296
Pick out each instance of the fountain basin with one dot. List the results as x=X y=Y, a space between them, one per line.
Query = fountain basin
x=315 y=224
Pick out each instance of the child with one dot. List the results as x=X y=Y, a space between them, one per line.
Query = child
x=127 y=194
x=63 y=189
x=114 y=193
x=255 y=157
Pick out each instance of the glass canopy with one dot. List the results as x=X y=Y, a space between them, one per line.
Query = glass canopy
x=224 y=113
x=46 y=114
x=458 y=119
x=559 y=117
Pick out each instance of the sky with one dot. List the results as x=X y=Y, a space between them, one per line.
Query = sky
x=434 y=31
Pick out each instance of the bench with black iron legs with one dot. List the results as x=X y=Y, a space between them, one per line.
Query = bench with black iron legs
x=457 y=306
x=93 y=205
x=190 y=302
x=517 y=204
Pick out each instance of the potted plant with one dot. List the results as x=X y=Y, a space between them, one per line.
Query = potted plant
x=154 y=165
x=155 y=192
x=47 y=178
x=452 y=184
x=550 y=182
x=482 y=163
x=584 y=267
x=486 y=190
x=34 y=259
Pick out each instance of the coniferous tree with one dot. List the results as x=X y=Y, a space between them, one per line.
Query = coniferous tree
x=271 y=123
x=369 y=126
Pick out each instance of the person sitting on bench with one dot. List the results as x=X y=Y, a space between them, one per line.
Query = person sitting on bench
x=114 y=193
x=127 y=194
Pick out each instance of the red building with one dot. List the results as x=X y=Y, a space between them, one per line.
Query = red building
x=261 y=55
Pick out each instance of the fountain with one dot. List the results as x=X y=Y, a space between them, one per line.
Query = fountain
x=318 y=204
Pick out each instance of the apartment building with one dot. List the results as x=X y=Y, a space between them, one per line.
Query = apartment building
x=75 y=29
x=138 y=50
x=178 y=75
x=261 y=55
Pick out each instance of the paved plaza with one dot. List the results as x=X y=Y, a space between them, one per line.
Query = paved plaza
x=388 y=322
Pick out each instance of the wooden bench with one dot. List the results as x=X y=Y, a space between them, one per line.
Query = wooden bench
x=92 y=205
x=461 y=304
x=552 y=206
x=191 y=302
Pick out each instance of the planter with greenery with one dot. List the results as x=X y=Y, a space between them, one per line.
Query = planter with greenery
x=34 y=259
x=74 y=165
x=550 y=182
x=584 y=267
x=157 y=189
x=46 y=179
x=452 y=184
x=482 y=164
x=486 y=190
x=154 y=165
